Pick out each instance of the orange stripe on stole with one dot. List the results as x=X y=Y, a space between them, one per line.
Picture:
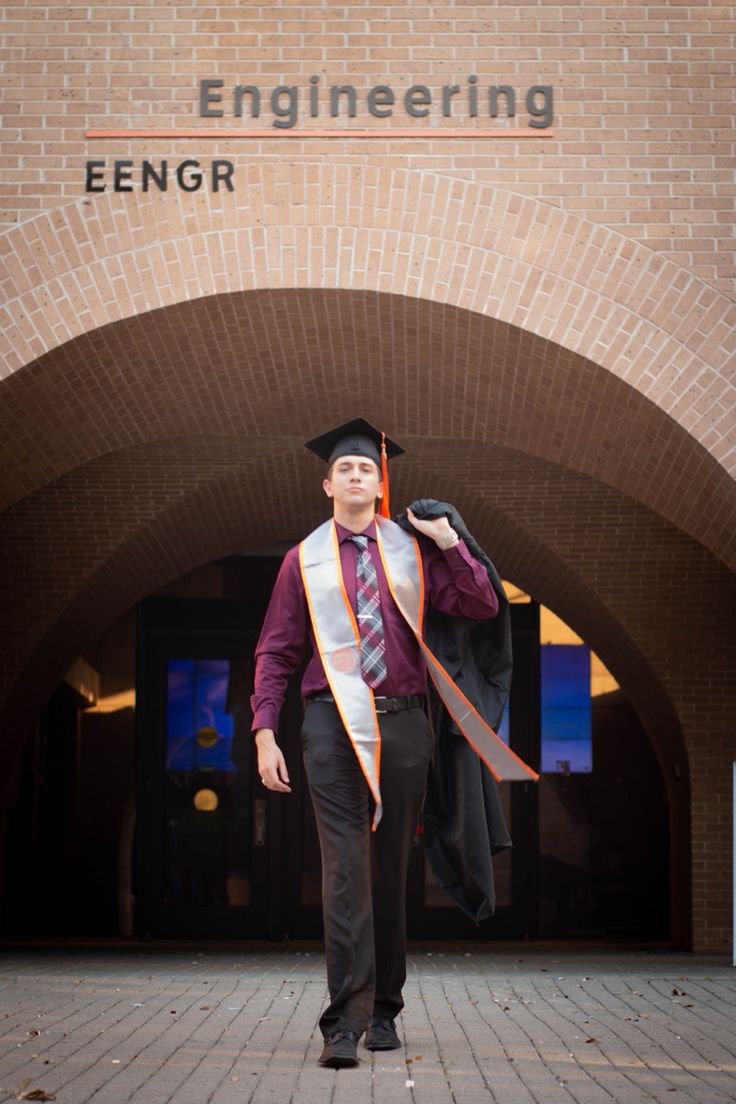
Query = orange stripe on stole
x=454 y=699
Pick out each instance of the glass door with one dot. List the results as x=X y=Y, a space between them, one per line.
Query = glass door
x=198 y=867
x=216 y=856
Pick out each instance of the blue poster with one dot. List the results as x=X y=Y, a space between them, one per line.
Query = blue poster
x=567 y=745
x=199 y=730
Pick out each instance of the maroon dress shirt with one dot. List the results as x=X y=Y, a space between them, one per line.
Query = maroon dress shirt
x=455 y=583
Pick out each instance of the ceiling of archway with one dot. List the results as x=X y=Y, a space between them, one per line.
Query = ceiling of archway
x=257 y=372
x=192 y=500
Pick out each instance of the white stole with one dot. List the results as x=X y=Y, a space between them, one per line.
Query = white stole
x=338 y=642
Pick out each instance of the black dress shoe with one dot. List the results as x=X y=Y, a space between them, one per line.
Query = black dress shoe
x=341 y=1049
x=381 y=1034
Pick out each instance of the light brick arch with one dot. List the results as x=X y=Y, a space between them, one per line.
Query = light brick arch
x=585 y=288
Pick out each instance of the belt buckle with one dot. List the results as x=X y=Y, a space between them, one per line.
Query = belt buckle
x=382 y=711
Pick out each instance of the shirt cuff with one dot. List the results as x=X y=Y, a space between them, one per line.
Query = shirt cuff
x=459 y=549
x=265 y=718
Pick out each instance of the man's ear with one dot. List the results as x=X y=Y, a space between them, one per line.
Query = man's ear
x=327 y=487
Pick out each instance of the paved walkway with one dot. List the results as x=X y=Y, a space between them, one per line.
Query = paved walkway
x=483 y=1022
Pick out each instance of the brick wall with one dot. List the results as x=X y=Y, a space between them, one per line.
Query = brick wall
x=643 y=104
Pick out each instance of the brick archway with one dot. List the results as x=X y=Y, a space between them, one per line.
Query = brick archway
x=566 y=292
x=174 y=350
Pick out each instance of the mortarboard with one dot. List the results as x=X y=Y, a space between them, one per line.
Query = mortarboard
x=357 y=438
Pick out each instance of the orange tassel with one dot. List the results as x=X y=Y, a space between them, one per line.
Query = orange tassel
x=384 y=507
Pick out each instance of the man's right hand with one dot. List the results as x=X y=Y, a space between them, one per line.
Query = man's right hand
x=271 y=762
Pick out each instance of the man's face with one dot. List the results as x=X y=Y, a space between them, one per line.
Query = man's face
x=353 y=482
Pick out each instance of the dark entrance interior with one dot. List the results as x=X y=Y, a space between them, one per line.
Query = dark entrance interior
x=248 y=867
x=167 y=813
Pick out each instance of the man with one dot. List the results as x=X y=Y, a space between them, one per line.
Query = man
x=347 y=592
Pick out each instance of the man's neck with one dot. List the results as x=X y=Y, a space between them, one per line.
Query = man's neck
x=355 y=522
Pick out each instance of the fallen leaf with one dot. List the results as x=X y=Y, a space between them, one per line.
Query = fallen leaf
x=37 y=1094
x=34 y=1031
x=592 y=1039
x=678 y=993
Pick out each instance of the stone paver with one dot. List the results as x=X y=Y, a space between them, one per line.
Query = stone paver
x=505 y=1023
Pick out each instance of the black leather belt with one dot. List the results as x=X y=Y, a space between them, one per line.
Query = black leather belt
x=383 y=705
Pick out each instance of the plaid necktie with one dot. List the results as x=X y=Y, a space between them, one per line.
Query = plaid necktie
x=372 y=643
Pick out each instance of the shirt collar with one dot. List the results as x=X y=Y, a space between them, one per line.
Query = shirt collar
x=343 y=534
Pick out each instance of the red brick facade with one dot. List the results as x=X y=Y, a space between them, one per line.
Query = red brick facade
x=546 y=323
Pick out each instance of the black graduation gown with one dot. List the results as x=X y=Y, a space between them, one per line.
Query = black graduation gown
x=464 y=824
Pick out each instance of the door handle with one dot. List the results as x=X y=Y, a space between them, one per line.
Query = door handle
x=259 y=823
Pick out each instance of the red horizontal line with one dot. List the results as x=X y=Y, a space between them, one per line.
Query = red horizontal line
x=331 y=132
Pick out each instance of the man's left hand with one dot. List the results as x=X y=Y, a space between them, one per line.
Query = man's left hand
x=435 y=528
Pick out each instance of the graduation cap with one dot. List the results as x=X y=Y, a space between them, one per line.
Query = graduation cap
x=358 y=438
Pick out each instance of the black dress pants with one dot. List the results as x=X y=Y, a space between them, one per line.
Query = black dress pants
x=363 y=872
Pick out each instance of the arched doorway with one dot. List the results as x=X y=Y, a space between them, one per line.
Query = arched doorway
x=168 y=735
x=543 y=412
